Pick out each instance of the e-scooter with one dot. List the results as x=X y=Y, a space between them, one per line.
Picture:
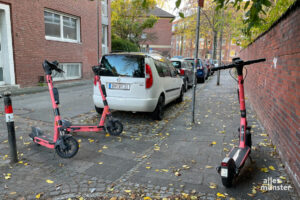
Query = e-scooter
x=233 y=163
x=63 y=142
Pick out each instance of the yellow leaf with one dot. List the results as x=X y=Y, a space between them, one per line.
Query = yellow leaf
x=189 y=128
x=253 y=190
x=49 y=181
x=20 y=162
x=38 y=196
x=208 y=167
x=271 y=168
x=7 y=177
x=147 y=198
x=127 y=191
x=100 y=150
x=185 y=166
x=156 y=148
x=100 y=163
x=81 y=198
x=148 y=167
x=90 y=140
x=251 y=195
x=225 y=149
x=264 y=169
x=79 y=140
x=177 y=174
x=206 y=116
x=157 y=170
x=185 y=195
x=264 y=135
x=107 y=135
x=231 y=198
x=282 y=177
x=221 y=131
x=104 y=147
x=194 y=198
x=213 y=142
x=165 y=170
x=220 y=195
x=25 y=164
x=12 y=193
x=212 y=185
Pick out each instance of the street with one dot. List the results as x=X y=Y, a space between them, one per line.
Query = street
x=168 y=158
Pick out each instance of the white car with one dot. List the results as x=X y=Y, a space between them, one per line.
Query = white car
x=138 y=82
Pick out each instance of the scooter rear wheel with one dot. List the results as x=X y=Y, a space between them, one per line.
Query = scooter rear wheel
x=114 y=127
x=70 y=149
x=227 y=181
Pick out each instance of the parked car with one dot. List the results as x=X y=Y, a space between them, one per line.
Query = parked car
x=138 y=82
x=185 y=70
x=211 y=66
x=201 y=72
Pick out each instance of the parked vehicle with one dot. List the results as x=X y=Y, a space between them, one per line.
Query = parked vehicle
x=139 y=82
x=201 y=72
x=185 y=70
x=211 y=66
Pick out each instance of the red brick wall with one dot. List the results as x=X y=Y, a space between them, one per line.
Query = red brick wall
x=163 y=31
x=274 y=91
x=31 y=48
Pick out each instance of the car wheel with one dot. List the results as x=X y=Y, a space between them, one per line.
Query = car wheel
x=99 y=110
x=158 y=113
x=201 y=80
x=180 y=98
x=186 y=85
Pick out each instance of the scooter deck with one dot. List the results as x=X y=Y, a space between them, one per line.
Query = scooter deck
x=239 y=155
x=38 y=137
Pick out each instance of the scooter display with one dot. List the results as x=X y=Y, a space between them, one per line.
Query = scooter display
x=234 y=162
x=63 y=142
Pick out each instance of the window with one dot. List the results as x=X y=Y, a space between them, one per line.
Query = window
x=104 y=39
x=104 y=8
x=61 y=27
x=71 y=71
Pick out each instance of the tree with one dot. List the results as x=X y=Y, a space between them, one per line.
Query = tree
x=131 y=17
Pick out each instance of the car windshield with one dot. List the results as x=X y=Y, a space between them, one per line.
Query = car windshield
x=124 y=65
x=176 y=64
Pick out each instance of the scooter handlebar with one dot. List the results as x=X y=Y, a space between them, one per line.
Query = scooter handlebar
x=238 y=62
x=50 y=66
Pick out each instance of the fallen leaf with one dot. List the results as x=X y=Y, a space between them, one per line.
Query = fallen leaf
x=264 y=169
x=165 y=170
x=177 y=174
x=104 y=147
x=100 y=163
x=186 y=166
x=148 y=167
x=271 y=168
x=208 y=167
x=38 y=196
x=220 y=195
x=225 y=149
x=12 y=193
x=49 y=181
x=127 y=191
x=282 y=177
x=212 y=185
x=147 y=198
x=213 y=142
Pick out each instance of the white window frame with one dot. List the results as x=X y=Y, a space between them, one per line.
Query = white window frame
x=61 y=38
x=105 y=44
x=63 y=66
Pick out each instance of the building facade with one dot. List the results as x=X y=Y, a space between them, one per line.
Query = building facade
x=158 y=38
x=75 y=33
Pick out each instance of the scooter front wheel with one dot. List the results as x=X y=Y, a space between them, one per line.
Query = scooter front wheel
x=114 y=127
x=67 y=148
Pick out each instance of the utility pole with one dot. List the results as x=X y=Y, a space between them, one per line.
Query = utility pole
x=220 y=49
x=200 y=4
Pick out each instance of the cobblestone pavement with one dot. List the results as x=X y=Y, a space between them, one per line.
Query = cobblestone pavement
x=151 y=159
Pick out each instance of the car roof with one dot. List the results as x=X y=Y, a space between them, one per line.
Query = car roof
x=177 y=59
x=155 y=56
x=191 y=58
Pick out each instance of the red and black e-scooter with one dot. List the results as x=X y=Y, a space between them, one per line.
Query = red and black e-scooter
x=235 y=160
x=63 y=142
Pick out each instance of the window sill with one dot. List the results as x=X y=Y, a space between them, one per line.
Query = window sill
x=62 y=40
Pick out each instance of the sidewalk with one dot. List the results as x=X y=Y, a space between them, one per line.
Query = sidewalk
x=151 y=159
x=35 y=89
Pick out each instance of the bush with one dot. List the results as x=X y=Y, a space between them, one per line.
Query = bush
x=118 y=44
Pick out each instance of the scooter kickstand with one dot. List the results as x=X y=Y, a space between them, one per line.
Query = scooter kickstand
x=251 y=160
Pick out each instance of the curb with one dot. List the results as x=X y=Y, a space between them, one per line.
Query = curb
x=36 y=89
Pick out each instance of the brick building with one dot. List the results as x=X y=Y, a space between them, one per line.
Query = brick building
x=31 y=31
x=273 y=87
x=184 y=45
x=159 y=37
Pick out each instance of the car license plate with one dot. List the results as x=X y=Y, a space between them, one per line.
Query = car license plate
x=119 y=86
x=224 y=172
